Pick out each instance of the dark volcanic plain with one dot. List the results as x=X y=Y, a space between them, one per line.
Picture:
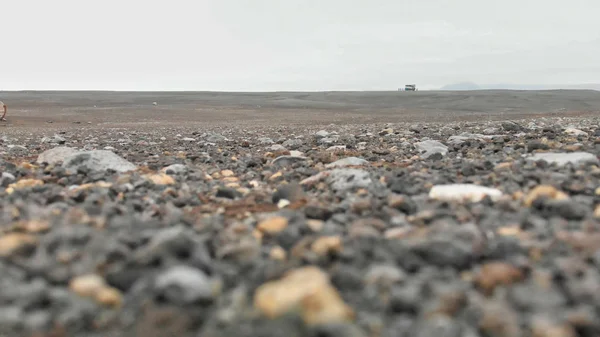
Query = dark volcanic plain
x=202 y=108
x=365 y=214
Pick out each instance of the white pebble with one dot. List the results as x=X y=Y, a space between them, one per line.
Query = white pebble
x=463 y=192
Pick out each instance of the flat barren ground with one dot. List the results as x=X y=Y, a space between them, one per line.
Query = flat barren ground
x=398 y=214
x=33 y=109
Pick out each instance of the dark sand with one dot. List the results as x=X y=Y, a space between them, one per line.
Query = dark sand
x=35 y=109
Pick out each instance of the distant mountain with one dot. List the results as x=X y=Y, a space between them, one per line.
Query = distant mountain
x=501 y=86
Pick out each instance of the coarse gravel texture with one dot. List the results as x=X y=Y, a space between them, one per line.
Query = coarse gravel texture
x=400 y=229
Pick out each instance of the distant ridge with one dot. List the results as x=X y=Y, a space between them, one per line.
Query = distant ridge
x=502 y=86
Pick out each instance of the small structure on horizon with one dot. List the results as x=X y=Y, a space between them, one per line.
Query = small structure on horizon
x=410 y=87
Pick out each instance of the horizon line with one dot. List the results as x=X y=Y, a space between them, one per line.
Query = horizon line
x=279 y=91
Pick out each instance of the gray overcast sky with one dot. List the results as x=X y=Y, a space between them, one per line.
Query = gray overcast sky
x=295 y=44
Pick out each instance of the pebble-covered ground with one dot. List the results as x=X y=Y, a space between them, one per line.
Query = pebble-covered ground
x=429 y=230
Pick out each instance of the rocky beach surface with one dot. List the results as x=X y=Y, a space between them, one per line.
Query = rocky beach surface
x=368 y=230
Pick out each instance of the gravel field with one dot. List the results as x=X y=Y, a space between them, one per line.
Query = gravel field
x=471 y=214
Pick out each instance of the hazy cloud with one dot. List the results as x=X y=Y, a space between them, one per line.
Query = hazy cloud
x=295 y=45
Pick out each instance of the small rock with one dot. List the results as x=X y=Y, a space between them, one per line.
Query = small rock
x=273 y=225
x=495 y=274
x=546 y=191
x=321 y=134
x=276 y=176
x=175 y=169
x=415 y=128
x=161 y=179
x=97 y=160
x=13 y=243
x=308 y=289
x=283 y=161
x=109 y=297
x=277 y=253
x=573 y=147
x=384 y=275
x=23 y=183
x=6 y=179
x=33 y=226
x=509 y=231
x=37 y=320
x=386 y=132
x=312 y=180
x=457 y=140
x=567 y=209
x=562 y=159
x=437 y=325
x=216 y=138
x=512 y=126
x=537 y=145
x=348 y=161
x=292 y=144
x=430 y=148
x=336 y=148
x=265 y=141
x=183 y=285
x=328 y=140
x=327 y=244
x=344 y=179
x=56 y=155
x=17 y=149
x=315 y=225
x=463 y=193
x=227 y=173
x=468 y=169
x=491 y=131
x=87 y=285
x=503 y=166
x=11 y=318
x=229 y=193
x=543 y=326
x=575 y=132
x=498 y=319
x=291 y=192
x=402 y=203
